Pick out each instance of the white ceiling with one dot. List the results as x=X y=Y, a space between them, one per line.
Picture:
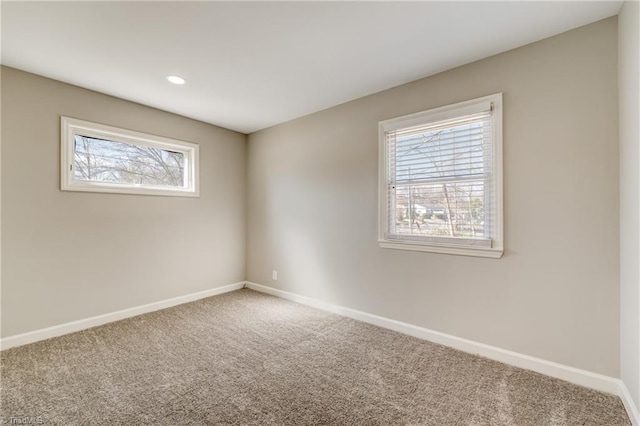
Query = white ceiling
x=252 y=65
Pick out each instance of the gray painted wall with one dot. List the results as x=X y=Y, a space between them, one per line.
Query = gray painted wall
x=629 y=110
x=68 y=255
x=312 y=207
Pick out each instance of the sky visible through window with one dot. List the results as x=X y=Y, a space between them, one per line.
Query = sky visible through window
x=100 y=160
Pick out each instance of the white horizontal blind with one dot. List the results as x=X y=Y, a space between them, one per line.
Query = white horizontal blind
x=440 y=181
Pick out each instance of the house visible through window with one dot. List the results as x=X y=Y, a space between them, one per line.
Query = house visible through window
x=106 y=159
x=441 y=179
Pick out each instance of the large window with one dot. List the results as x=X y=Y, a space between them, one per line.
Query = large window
x=441 y=179
x=99 y=158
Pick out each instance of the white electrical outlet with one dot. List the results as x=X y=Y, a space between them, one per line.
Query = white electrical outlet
x=274 y=275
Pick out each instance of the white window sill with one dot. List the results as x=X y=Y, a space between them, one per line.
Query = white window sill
x=116 y=188
x=494 y=253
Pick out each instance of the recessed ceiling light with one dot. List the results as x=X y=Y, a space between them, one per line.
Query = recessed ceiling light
x=175 y=79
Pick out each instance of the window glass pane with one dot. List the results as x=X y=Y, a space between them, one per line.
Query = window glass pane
x=100 y=160
x=439 y=174
x=453 y=209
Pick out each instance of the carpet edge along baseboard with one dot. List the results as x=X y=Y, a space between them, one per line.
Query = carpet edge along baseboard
x=567 y=373
x=596 y=381
x=83 y=324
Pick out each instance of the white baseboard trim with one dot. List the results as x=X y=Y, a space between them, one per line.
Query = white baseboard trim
x=71 y=327
x=629 y=404
x=570 y=374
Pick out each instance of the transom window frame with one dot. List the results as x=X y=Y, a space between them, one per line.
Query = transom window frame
x=72 y=127
x=430 y=243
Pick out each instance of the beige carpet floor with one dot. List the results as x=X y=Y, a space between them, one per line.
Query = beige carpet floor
x=251 y=359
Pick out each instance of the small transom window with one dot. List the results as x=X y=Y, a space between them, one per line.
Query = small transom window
x=99 y=158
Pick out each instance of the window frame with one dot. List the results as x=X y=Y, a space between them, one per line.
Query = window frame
x=70 y=127
x=433 y=115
